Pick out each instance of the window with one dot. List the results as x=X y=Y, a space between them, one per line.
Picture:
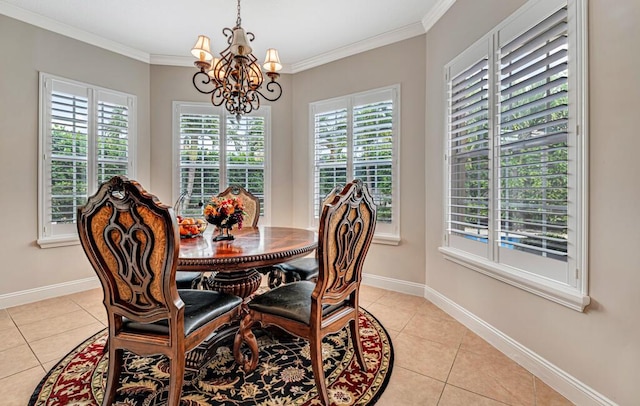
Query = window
x=357 y=136
x=87 y=135
x=515 y=153
x=214 y=150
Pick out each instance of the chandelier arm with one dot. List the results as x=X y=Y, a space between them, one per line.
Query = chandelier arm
x=205 y=81
x=272 y=87
x=228 y=33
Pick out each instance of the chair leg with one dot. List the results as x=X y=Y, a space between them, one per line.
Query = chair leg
x=176 y=379
x=357 y=343
x=113 y=375
x=315 y=349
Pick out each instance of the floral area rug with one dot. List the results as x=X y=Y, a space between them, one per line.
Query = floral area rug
x=283 y=376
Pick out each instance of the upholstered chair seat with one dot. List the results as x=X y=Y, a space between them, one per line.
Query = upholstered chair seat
x=200 y=307
x=291 y=301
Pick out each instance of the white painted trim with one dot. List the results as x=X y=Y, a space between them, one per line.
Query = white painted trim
x=390 y=37
x=47 y=292
x=172 y=60
x=565 y=384
x=541 y=286
x=55 y=26
x=436 y=12
x=397 y=285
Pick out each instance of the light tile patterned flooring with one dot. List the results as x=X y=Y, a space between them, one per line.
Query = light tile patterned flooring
x=438 y=361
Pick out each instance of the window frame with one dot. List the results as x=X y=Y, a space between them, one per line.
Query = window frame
x=388 y=234
x=573 y=294
x=47 y=238
x=264 y=111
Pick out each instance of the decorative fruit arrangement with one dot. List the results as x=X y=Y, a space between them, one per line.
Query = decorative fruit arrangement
x=190 y=227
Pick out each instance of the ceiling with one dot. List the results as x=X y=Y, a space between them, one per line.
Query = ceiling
x=306 y=33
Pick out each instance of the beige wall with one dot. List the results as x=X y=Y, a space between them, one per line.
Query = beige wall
x=400 y=63
x=600 y=347
x=169 y=84
x=26 y=50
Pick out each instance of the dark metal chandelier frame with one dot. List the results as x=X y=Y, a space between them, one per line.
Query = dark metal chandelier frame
x=235 y=79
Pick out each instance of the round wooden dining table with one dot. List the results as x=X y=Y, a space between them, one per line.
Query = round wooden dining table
x=234 y=263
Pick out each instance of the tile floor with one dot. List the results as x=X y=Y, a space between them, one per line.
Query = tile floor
x=438 y=361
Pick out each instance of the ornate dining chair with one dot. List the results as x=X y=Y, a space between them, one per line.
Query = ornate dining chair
x=300 y=269
x=250 y=201
x=312 y=310
x=132 y=242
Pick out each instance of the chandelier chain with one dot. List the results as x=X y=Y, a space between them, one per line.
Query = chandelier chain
x=238 y=20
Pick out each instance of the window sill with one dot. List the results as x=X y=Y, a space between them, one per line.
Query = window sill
x=547 y=289
x=386 y=239
x=58 y=241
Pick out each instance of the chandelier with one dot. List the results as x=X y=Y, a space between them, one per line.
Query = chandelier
x=235 y=79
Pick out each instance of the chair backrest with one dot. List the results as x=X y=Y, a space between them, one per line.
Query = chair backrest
x=347 y=224
x=251 y=203
x=132 y=242
x=328 y=199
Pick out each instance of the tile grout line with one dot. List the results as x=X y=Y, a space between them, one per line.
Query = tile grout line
x=30 y=349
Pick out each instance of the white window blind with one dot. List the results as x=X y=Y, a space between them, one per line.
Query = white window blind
x=533 y=140
x=68 y=146
x=216 y=150
x=469 y=152
x=515 y=163
x=331 y=155
x=112 y=138
x=245 y=146
x=356 y=137
x=373 y=153
x=86 y=136
x=199 y=152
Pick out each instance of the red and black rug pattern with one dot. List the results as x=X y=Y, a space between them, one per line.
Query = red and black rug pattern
x=283 y=377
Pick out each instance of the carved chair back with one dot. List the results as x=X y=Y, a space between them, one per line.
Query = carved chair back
x=251 y=203
x=347 y=224
x=132 y=241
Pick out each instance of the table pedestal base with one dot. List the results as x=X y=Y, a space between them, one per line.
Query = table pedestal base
x=241 y=283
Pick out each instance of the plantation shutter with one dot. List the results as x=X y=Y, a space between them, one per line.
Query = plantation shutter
x=330 y=152
x=468 y=151
x=68 y=117
x=199 y=153
x=112 y=138
x=245 y=147
x=532 y=140
x=373 y=150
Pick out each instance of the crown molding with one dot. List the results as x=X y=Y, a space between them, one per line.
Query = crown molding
x=368 y=44
x=171 y=60
x=435 y=13
x=51 y=25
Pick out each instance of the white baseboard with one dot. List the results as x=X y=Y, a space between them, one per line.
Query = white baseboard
x=47 y=292
x=565 y=384
x=397 y=285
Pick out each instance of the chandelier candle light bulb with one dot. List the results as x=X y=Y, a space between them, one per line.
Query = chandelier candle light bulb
x=235 y=79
